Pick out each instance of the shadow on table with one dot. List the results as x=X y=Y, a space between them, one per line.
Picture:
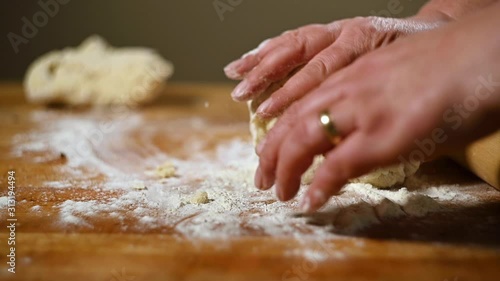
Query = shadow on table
x=470 y=225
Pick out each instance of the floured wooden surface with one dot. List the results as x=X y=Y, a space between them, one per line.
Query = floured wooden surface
x=86 y=172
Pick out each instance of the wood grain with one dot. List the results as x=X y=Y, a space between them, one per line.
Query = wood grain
x=461 y=244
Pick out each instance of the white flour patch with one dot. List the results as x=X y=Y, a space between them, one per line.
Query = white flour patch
x=4 y=202
x=309 y=254
x=57 y=184
x=256 y=50
x=234 y=208
x=404 y=26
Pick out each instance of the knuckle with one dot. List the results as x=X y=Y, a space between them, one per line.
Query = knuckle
x=295 y=41
x=360 y=31
x=366 y=24
x=293 y=37
x=319 y=66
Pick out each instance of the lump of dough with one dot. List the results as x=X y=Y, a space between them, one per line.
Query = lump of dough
x=96 y=73
x=200 y=197
x=388 y=176
x=165 y=171
x=382 y=177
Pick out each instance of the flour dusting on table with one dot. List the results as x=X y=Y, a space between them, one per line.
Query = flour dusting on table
x=231 y=206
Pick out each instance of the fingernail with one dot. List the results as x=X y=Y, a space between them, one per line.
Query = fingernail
x=258 y=178
x=268 y=181
x=232 y=64
x=231 y=70
x=263 y=108
x=240 y=91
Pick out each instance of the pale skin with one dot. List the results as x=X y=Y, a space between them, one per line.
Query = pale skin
x=385 y=82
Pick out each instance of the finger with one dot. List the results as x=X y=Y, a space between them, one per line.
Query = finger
x=311 y=76
x=355 y=156
x=306 y=140
x=296 y=153
x=312 y=103
x=274 y=67
x=237 y=69
x=294 y=142
x=268 y=148
x=258 y=178
x=297 y=48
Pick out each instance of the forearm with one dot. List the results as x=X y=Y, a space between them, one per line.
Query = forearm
x=452 y=9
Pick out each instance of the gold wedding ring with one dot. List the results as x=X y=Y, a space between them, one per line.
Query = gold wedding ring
x=329 y=126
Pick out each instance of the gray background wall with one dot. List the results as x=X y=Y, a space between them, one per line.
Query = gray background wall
x=190 y=33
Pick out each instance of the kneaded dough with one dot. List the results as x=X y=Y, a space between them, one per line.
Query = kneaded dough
x=382 y=177
x=96 y=73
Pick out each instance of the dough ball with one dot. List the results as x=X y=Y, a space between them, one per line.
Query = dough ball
x=96 y=73
x=381 y=177
x=165 y=171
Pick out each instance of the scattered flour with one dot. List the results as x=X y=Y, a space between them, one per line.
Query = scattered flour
x=57 y=184
x=147 y=221
x=309 y=254
x=223 y=176
x=233 y=207
x=4 y=202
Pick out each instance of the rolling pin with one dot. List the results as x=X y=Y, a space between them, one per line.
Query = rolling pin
x=483 y=159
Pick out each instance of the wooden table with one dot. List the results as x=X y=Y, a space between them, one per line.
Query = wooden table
x=462 y=244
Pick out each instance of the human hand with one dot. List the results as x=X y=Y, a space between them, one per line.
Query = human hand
x=383 y=104
x=322 y=48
